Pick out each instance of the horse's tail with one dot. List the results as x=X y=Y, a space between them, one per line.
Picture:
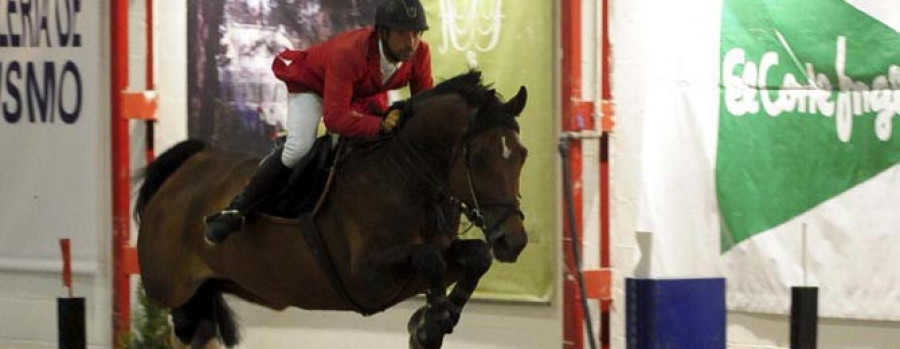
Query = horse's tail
x=156 y=173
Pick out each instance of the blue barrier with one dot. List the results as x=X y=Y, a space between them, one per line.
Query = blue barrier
x=675 y=313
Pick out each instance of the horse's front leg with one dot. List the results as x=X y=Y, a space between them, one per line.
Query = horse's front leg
x=429 y=324
x=467 y=261
x=473 y=259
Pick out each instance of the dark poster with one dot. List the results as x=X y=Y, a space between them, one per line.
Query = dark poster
x=234 y=100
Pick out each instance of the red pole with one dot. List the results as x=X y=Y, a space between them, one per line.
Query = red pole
x=605 y=97
x=151 y=83
x=65 y=246
x=120 y=165
x=573 y=317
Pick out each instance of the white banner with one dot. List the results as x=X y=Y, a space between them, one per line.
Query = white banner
x=770 y=152
x=54 y=132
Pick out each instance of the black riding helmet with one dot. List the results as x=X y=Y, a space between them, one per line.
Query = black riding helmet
x=401 y=15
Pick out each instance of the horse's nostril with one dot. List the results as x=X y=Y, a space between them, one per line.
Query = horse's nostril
x=501 y=242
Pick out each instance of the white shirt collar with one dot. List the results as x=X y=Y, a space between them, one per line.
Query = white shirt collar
x=387 y=67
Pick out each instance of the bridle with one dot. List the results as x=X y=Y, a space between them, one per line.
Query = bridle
x=475 y=211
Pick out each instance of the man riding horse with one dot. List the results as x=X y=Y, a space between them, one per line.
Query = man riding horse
x=344 y=81
x=388 y=228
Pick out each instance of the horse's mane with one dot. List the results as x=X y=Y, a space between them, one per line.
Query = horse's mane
x=477 y=94
x=469 y=85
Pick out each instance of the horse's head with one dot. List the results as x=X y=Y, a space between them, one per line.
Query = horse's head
x=485 y=175
x=462 y=130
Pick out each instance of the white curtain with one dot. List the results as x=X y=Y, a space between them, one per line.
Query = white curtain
x=848 y=245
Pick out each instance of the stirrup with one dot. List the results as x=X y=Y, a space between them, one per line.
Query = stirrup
x=220 y=225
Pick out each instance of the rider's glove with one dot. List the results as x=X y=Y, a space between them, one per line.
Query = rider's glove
x=390 y=121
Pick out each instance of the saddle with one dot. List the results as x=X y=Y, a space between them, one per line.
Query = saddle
x=308 y=182
x=308 y=185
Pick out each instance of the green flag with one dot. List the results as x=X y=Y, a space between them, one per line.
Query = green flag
x=807 y=108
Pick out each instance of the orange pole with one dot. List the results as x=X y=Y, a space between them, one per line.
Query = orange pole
x=120 y=170
x=573 y=316
x=151 y=83
x=605 y=97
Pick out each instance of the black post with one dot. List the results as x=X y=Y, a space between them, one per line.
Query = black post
x=70 y=321
x=804 y=317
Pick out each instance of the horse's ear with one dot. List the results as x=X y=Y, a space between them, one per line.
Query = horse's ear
x=515 y=105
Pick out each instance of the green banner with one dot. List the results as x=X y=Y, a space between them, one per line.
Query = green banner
x=809 y=94
x=512 y=46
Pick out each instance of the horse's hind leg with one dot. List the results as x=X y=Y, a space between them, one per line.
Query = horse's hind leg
x=194 y=333
x=175 y=343
x=203 y=317
x=191 y=321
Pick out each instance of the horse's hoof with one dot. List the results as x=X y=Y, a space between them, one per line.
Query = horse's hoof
x=205 y=335
x=444 y=321
x=413 y=343
x=416 y=321
x=425 y=335
x=416 y=342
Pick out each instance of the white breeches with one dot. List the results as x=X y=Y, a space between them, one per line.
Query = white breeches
x=303 y=114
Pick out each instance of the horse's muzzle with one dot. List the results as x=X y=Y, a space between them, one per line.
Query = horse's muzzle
x=508 y=245
x=506 y=235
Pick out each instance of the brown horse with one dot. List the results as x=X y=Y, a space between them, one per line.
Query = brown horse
x=388 y=226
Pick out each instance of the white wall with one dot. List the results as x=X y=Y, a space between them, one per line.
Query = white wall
x=28 y=307
x=29 y=289
x=630 y=26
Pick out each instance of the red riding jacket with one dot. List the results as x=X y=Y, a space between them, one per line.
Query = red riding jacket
x=346 y=72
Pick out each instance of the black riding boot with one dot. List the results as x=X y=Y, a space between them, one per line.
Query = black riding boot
x=270 y=174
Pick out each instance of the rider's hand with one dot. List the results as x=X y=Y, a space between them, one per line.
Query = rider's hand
x=390 y=121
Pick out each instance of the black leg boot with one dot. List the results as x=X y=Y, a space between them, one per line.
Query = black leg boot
x=271 y=173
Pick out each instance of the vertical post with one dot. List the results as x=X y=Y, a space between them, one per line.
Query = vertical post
x=151 y=83
x=804 y=306
x=120 y=171
x=804 y=317
x=65 y=246
x=607 y=115
x=570 y=21
x=70 y=323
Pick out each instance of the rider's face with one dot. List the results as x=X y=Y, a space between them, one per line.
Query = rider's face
x=402 y=43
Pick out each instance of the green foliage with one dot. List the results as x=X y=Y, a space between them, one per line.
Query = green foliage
x=151 y=327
